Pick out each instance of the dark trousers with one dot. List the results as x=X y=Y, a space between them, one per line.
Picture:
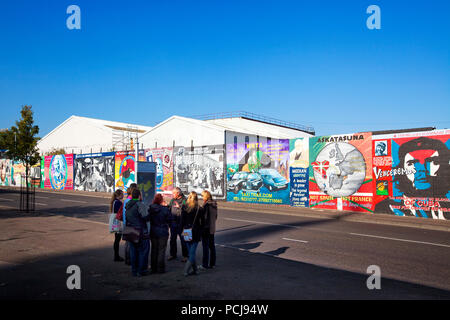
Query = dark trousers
x=127 y=253
x=117 y=238
x=209 y=250
x=139 y=256
x=175 y=232
x=158 y=255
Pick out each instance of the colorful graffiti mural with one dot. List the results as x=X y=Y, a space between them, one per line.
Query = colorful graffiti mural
x=94 y=172
x=42 y=172
x=299 y=172
x=200 y=168
x=412 y=174
x=164 y=167
x=17 y=174
x=258 y=172
x=340 y=172
x=125 y=172
x=58 y=171
x=5 y=172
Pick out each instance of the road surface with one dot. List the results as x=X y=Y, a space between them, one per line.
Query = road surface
x=260 y=256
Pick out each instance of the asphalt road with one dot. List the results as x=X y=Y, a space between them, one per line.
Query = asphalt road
x=414 y=263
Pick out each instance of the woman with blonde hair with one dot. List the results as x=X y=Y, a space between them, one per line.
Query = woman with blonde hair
x=209 y=229
x=192 y=221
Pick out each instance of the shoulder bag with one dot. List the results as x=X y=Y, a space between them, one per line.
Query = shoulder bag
x=131 y=234
x=187 y=233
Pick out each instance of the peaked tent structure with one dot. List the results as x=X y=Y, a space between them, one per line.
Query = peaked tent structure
x=87 y=135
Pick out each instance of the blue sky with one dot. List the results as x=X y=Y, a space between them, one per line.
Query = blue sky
x=310 y=62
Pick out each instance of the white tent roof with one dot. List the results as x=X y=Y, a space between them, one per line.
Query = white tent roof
x=244 y=126
x=85 y=133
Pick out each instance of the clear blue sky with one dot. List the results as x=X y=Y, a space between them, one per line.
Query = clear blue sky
x=310 y=62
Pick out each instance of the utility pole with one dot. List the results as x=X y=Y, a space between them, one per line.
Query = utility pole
x=137 y=158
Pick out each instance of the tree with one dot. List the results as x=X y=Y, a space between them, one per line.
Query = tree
x=55 y=152
x=21 y=141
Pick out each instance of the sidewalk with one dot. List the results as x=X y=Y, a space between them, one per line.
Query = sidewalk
x=36 y=252
x=387 y=219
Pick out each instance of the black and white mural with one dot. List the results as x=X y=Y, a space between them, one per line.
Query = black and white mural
x=200 y=168
x=94 y=172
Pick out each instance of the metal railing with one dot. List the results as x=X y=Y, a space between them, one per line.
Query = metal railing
x=27 y=195
x=257 y=117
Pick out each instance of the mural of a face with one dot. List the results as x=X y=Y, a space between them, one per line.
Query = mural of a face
x=3 y=168
x=58 y=168
x=425 y=164
x=380 y=149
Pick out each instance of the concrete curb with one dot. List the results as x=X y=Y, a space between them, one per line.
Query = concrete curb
x=385 y=219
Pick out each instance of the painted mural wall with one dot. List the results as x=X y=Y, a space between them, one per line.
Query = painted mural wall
x=42 y=185
x=164 y=167
x=299 y=172
x=412 y=174
x=5 y=172
x=58 y=171
x=200 y=168
x=94 y=172
x=125 y=168
x=258 y=172
x=340 y=172
x=35 y=176
x=17 y=174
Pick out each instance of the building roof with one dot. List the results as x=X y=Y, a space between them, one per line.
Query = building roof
x=82 y=133
x=104 y=124
x=270 y=130
x=259 y=118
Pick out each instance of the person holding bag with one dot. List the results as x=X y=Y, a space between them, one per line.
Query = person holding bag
x=137 y=234
x=192 y=222
x=122 y=217
x=115 y=227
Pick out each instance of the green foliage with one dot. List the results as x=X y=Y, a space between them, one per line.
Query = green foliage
x=54 y=152
x=21 y=140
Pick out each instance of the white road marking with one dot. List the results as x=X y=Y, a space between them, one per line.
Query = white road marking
x=75 y=194
x=102 y=212
x=404 y=240
x=86 y=220
x=39 y=197
x=7 y=207
x=258 y=222
x=295 y=240
x=77 y=201
x=5 y=199
x=41 y=204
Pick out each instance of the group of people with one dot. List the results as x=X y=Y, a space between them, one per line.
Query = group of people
x=182 y=218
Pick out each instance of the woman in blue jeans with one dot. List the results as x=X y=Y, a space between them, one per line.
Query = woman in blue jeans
x=137 y=217
x=192 y=217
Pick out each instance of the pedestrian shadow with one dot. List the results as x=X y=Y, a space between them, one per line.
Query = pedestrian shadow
x=228 y=229
x=277 y=252
x=247 y=246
